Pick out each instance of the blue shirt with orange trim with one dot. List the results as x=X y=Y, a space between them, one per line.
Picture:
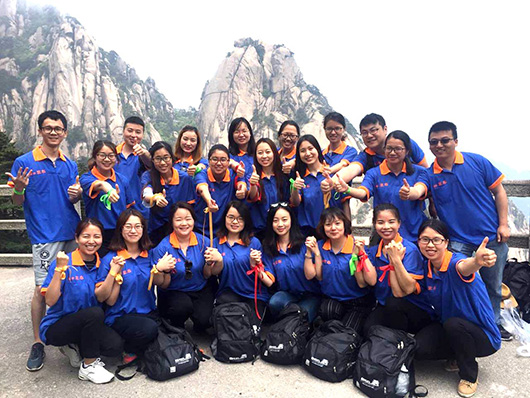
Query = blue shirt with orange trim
x=337 y=282
x=384 y=186
x=134 y=298
x=194 y=253
x=247 y=160
x=288 y=269
x=463 y=194
x=259 y=208
x=453 y=295
x=288 y=156
x=94 y=208
x=49 y=214
x=77 y=290
x=344 y=153
x=183 y=164
x=236 y=263
x=179 y=188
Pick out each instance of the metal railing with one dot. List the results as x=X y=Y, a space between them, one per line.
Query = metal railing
x=514 y=188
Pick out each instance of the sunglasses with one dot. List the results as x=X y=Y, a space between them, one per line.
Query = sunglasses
x=187 y=266
x=282 y=204
x=444 y=141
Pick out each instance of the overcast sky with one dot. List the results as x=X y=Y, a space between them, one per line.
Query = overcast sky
x=414 y=62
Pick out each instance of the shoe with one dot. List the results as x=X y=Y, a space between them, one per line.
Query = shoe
x=466 y=388
x=451 y=366
x=71 y=351
x=36 y=357
x=95 y=372
x=128 y=357
x=505 y=335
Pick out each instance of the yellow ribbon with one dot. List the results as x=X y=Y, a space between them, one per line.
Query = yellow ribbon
x=117 y=277
x=154 y=271
x=62 y=270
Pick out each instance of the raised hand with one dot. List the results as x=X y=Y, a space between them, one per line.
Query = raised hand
x=211 y=255
x=359 y=247
x=21 y=180
x=395 y=252
x=61 y=260
x=75 y=190
x=287 y=166
x=166 y=263
x=341 y=185
x=240 y=171
x=140 y=150
x=115 y=194
x=299 y=182
x=311 y=244
x=212 y=206
x=404 y=191
x=191 y=170
x=116 y=264
x=160 y=199
x=254 y=177
x=241 y=191
x=255 y=257
x=485 y=257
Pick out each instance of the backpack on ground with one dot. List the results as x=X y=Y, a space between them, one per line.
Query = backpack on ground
x=330 y=353
x=287 y=338
x=236 y=339
x=517 y=277
x=172 y=354
x=384 y=367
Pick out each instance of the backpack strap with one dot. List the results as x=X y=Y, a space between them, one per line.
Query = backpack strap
x=128 y=371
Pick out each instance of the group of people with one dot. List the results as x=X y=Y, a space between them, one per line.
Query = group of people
x=201 y=230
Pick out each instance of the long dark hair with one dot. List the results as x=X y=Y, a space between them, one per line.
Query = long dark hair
x=270 y=242
x=403 y=137
x=246 y=234
x=232 y=146
x=276 y=169
x=155 y=174
x=118 y=243
x=197 y=153
x=300 y=166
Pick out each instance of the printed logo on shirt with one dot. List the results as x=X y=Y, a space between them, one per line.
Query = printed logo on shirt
x=439 y=184
x=276 y=262
x=37 y=172
x=326 y=261
x=126 y=271
x=381 y=185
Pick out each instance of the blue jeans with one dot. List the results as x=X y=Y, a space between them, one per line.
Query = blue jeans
x=308 y=301
x=492 y=276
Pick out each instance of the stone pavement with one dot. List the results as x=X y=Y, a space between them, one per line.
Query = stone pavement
x=501 y=375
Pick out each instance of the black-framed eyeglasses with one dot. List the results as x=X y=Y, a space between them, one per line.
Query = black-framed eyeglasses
x=187 y=266
x=444 y=141
x=437 y=241
x=103 y=156
x=58 y=130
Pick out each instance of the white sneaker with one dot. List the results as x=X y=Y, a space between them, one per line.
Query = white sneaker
x=95 y=372
x=71 y=351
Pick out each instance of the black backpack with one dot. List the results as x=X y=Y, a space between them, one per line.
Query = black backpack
x=517 y=277
x=286 y=339
x=172 y=354
x=384 y=367
x=330 y=353
x=236 y=339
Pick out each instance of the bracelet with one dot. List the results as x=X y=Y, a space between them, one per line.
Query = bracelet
x=348 y=191
x=117 y=277
x=62 y=270
x=306 y=256
x=20 y=193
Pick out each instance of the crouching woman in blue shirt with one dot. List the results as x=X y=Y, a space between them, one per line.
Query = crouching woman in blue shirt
x=466 y=328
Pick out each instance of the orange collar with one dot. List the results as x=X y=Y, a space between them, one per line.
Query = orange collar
x=226 y=178
x=119 y=148
x=174 y=178
x=78 y=261
x=188 y=160
x=370 y=151
x=278 y=246
x=263 y=175
x=289 y=155
x=346 y=249
x=383 y=167
x=125 y=254
x=224 y=239
x=459 y=159
x=338 y=151
x=241 y=153
x=38 y=155
x=101 y=177
x=321 y=170
x=445 y=264
x=397 y=239
x=174 y=240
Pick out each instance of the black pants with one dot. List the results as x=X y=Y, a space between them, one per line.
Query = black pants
x=107 y=237
x=86 y=329
x=352 y=313
x=137 y=330
x=398 y=313
x=228 y=296
x=456 y=338
x=178 y=306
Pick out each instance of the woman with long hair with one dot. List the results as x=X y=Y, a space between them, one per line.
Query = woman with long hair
x=241 y=144
x=188 y=151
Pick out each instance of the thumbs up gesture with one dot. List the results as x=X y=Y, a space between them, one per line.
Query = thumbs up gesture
x=160 y=199
x=404 y=191
x=240 y=169
x=485 y=257
x=115 y=194
x=254 y=177
x=241 y=191
x=299 y=182
x=341 y=185
x=75 y=190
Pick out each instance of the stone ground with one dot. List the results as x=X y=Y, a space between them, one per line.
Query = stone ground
x=501 y=375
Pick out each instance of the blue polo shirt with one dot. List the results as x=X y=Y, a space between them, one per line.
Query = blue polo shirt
x=222 y=192
x=384 y=186
x=337 y=282
x=77 y=291
x=236 y=263
x=260 y=207
x=49 y=214
x=134 y=298
x=183 y=164
x=413 y=263
x=179 y=188
x=462 y=195
x=344 y=153
x=94 y=208
x=453 y=295
x=288 y=270
x=289 y=156
x=416 y=156
x=195 y=253
x=129 y=167
x=248 y=161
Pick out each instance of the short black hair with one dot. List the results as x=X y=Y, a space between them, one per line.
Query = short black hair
x=54 y=115
x=372 y=118
x=134 y=120
x=443 y=126
x=329 y=214
x=436 y=225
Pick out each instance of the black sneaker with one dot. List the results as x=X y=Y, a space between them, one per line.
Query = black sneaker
x=505 y=335
x=36 y=357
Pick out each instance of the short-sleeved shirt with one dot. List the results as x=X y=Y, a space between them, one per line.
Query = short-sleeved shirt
x=416 y=156
x=344 y=153
x=179 y=188
x=130 y=167
x=94 y=208
x=260 y=207
x=49 y=214
x=463 y=197
x=77 y=290
x=288 y=270
x=337 y=282
x=183 y=164
x=384 y=186
x=453 y=295
x=236 y=263
x=134 y=298
x=194 y=253
x=288 y=156
x=247 y=160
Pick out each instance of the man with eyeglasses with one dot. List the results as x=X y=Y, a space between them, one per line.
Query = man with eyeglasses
x=462 y=185
x=46 y=183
